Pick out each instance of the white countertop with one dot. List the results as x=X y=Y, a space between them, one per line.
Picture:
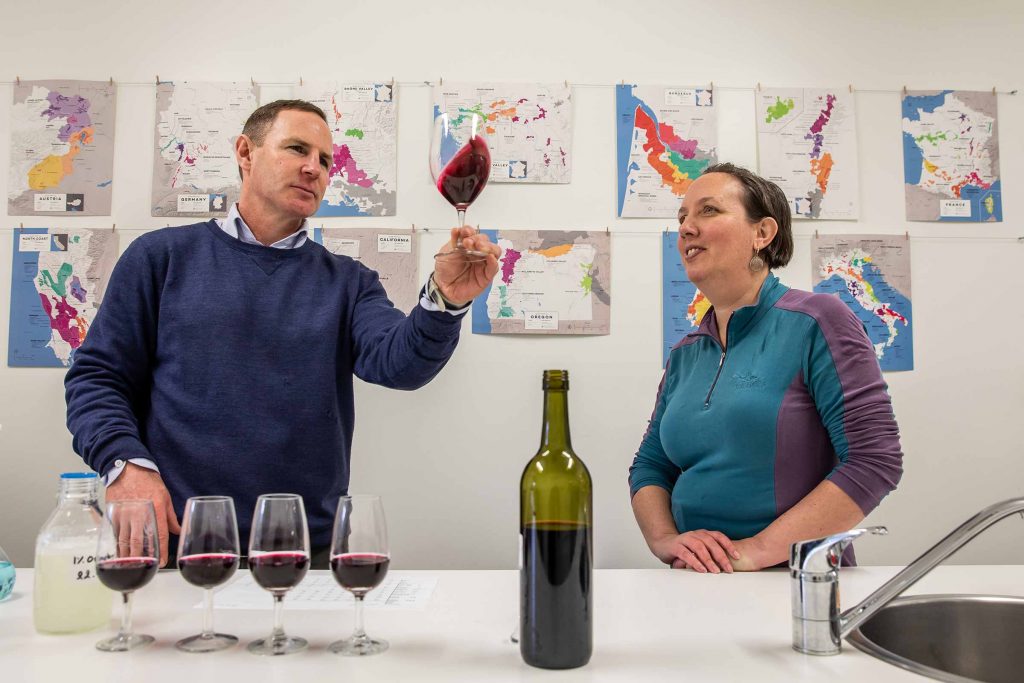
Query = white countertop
x=650 y=625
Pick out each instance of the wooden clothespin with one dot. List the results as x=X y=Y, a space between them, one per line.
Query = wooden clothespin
x=993 y=90
x=904 y=91
x=607 y=230
x=113 y=227
x=906 y=235
x=440 y=81
x=850 y=87
x=253 y=81
x=711 y=86
x=17 y=80
x=300 y=80
x=567 y=83
x=414 y=228
x=111 y=80
x=815 y=233
x=158 y=79
x=759 y=86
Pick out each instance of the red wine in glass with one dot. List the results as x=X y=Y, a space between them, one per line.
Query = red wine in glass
x=460 y=164
x=208 y=551
x=126 y=574
x=209 y=569
x=359 y=572
x=279 y=571
x=465 y=175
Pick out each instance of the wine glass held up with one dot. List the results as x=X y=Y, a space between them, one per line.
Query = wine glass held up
x=207 y=557
x=127 y=558
x=359 y=562
x=279 y=560
x=460 y=164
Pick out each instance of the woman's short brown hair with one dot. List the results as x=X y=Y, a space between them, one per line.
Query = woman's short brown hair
x=764 y=199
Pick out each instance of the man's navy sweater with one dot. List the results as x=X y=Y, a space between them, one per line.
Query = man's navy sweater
x=230 y=366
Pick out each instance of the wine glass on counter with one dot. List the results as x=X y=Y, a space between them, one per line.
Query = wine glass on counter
x=278 y=561
x=207 y=557
x=460 y=164
x=359 y=562
x=127 y=558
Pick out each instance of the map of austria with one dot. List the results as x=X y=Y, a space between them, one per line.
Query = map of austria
x=548 y=282
x=665 y=137
x=527 y=126
x=871 y=275
x=392 y=253
x=363 y=118
x=807 y=145
x=682 y=305
x=951 y=156
x=58 y=279
x=194 y=169
x=62 y=148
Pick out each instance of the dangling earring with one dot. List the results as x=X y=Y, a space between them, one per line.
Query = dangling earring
x=756 y=263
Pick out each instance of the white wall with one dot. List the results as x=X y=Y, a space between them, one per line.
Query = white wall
x=447 y=458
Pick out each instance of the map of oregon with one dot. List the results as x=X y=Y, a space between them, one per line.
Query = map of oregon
x=807 y=145
x=58 y=278
x=871 y=274
x=62 y=148
x=548 y=282
x=528 y=127
x=666 y=137
x=364 y=128
x=194 y=167
x=951 y=156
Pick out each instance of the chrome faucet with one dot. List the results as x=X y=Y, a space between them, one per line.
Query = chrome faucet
x=818 y=625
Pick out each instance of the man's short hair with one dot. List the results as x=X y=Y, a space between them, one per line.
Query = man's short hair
x=764 y=199
x=259 y=122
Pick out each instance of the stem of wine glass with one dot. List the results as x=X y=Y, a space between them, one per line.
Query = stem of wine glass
x=126 y=616
x=462 y=221
x=278 y=615
x=359 y=633
x=208 y=613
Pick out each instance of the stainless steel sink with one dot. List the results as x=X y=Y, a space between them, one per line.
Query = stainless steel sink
x=949 y=637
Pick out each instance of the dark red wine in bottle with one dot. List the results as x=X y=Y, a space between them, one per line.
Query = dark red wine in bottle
x=465 y=175
x=556 y=504
x=126 y=574
x=208 y=569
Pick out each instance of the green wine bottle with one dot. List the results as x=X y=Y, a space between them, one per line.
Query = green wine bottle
x=556 y=508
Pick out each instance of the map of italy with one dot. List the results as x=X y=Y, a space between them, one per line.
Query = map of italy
x=548 y=282
x=666 y=137
x=862 y=272
x=807 y=145
x=62 y=148
x=951 y=156
x=58 y=281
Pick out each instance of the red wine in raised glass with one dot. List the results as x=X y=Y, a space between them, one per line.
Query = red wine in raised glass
x=465 y=175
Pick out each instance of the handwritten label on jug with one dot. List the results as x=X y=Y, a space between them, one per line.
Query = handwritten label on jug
x=83 y=567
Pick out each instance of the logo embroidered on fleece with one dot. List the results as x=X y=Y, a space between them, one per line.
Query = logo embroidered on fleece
x=746 y=380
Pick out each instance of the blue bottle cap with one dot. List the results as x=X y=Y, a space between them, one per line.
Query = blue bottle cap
x=78 y=475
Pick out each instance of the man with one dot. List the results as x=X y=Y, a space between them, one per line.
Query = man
x=221 y=361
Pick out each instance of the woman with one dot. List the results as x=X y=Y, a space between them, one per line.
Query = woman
x=772 y=422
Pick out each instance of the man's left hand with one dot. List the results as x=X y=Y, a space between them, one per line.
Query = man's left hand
x=460 y=279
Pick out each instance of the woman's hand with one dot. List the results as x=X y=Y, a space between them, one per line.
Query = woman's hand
x=702 y=551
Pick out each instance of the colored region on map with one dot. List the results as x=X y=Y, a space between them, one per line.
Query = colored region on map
x=682 y=305
x=194 y=168
x=548 y=282
x=666 y=137
x=528 y=127
x=363 y=118
x=951 y=156
x=58 y=279
x=871 y=275
x=62 y=148
x=807 y=145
